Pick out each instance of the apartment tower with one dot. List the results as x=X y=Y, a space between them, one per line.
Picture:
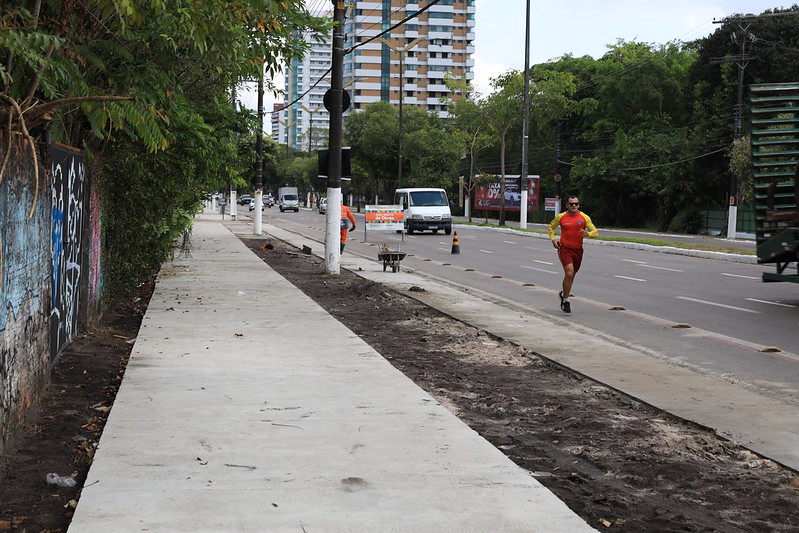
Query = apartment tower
x=405 y=65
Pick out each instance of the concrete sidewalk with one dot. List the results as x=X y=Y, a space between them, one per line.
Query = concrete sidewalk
x=246 y=407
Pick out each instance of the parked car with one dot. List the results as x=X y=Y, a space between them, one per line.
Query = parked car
x=244 y=199
x=322 y=206
x=251 y=204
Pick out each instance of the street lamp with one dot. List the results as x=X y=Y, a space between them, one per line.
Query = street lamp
x=287 y=125
x=525 y=123
x=310 y=123
x=401 y=53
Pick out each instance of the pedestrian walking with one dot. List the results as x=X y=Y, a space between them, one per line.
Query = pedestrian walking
x=347 y=224
x=574 y=227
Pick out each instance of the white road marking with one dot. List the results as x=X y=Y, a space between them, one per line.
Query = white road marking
x=543 y=262
x=634 y=261
x=631 y=279
x=486 y=251
x=770 y=303
x=539 y=269
x=740 y=276
x=719 y=305
x=509 y=242
x=661 y=268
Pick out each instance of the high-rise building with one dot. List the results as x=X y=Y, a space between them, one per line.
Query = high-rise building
x=304 y=123
x=414 y=56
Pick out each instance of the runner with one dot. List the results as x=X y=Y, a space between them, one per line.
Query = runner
x=574 y=226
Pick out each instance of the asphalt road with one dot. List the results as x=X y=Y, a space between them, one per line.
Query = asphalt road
x=635 y=297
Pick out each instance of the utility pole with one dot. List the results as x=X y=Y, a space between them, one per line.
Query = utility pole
x=336 y=108
x=740 y=38
x=525 y=123
x=259 y=160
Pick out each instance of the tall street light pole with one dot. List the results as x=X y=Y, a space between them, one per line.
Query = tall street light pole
x=525 y=124
x=311 y=113
x=401 y=53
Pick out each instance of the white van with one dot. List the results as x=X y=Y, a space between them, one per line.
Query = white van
x=425 y=209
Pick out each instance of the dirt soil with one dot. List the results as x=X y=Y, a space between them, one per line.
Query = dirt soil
x=619 y=464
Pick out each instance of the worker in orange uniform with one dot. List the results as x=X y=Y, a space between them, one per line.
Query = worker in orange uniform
x=574 y=226
x=347 y=224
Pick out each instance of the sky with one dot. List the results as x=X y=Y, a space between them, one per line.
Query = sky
x=578 y=27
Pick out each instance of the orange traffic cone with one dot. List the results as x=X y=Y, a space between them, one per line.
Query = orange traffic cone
x=456 y=249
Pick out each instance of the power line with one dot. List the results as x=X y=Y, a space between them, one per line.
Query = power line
x=658 y=166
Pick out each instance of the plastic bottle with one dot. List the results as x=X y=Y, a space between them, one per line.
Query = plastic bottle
x=61 y=481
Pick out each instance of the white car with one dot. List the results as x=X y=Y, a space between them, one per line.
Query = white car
x=322 y=206
x=251 y=205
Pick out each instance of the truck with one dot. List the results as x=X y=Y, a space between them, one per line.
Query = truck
x=288 y=199
x=774 y=130
x=424 y=209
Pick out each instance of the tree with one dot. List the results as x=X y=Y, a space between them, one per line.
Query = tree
x=637 y=146
x=433 y=155
x=145 y=87
x=501 y=109
x=372 y=133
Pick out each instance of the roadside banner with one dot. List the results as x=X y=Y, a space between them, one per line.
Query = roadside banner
x=385 y=217
x=550 y=204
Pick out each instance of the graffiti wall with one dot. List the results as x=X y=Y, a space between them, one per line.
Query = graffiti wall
x=25 y=287
x=68 y=170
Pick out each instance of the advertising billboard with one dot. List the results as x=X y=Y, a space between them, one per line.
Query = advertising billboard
x=487 y=197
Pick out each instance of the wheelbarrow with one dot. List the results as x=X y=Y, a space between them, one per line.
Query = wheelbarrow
x=391 y=258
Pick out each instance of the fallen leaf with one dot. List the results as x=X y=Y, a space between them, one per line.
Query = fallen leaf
x=605 y=523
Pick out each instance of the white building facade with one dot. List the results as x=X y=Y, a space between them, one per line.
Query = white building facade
x=405 y=66
x=416 y=54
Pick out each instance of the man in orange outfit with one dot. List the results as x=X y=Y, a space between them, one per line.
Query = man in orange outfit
x=574 y=226
x=347 y=224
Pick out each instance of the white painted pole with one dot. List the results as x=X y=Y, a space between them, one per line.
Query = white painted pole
x=732 y=222
x=523 y=209
x=333 y=231
x=259 y=201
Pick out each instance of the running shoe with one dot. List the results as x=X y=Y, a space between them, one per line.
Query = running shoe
x=560 y=295
x=566 y=306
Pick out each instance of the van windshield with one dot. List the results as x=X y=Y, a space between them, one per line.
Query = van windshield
x=289 y=196
x=428 y=198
